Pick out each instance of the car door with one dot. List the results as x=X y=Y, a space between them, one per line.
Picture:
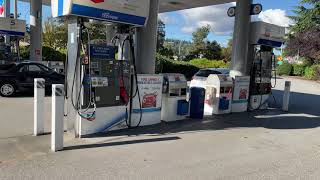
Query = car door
x=21 y=74
x=36 y=71
x=53 y=77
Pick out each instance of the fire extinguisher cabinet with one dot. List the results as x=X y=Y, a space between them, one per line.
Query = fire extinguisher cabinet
x=197 y=97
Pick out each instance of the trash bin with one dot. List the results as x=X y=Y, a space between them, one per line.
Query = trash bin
x=197 y=97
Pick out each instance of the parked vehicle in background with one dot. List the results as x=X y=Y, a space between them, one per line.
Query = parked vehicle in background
x=200 y=78
x=19 y=77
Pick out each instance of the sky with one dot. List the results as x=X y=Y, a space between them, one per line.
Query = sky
x=181 y=24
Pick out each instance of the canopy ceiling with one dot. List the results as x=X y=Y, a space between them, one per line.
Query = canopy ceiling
x=174 y=5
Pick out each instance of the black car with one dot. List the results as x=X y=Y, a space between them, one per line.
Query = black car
x=20 y=77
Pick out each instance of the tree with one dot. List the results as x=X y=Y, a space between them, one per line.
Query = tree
x=303 y=39
x=305 y=44
x=226 y=52
x=306 y=18
x=212 y=50
x=180 y=48
x=49 y=34
x=96 y=29
x=167 y=52
x=161 y=35
x=199 y=40
x=55 y=34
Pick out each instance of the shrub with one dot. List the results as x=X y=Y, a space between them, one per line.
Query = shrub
x=298 y=69
x=285 y=69
x=205 y=63
x=25 y=52
x=48 y=54
x=312 y=72
x=306 y=62
x=166 y=65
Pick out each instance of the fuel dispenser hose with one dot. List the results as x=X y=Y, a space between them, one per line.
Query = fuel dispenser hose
x=137 y=91
x=90 y=116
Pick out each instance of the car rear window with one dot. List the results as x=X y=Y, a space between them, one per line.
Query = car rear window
x=206 y=73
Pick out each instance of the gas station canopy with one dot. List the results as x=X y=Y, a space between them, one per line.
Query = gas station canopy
x=173 y=5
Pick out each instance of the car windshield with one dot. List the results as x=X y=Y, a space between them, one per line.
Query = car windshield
x=206 y=73
x=45 y=68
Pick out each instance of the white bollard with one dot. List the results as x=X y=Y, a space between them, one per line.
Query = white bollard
x=38 y=104
x=286 y=96
x=57 y=117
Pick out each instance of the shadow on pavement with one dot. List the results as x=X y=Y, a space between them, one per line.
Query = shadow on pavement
x=304 y=114
x=28 y=95
x=119 y=143
x=300 y=102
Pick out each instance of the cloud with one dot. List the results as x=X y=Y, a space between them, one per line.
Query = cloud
x=188 y=29
x=215 y=16
x=167 y=19
x=220 y=23
x=275 y=16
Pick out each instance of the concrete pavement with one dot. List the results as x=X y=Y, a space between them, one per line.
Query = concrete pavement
x=257 y=145
x=16 y=116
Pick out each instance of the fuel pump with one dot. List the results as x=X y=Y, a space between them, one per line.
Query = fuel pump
x=100 y=87
x=104 y=80
x=261 y=75
x=264 y=38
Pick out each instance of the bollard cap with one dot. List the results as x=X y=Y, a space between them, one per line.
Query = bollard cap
x=288 y=83
x=58 y=89
x=39 y=83
x=39 y=79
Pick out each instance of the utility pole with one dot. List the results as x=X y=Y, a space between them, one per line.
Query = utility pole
x=180 y=49
x=15 y=15
x=7 y=15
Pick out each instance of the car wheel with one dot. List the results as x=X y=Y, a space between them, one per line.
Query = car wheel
x=7 y=89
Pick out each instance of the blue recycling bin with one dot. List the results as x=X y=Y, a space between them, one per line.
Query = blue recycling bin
x=197 y=98
x=183 y=108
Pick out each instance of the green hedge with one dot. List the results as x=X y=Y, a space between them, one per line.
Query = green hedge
x=299 y=69
x=285 y=69
x=165 y=65
x=48 y=54
x=312 y=72
x=206 y=63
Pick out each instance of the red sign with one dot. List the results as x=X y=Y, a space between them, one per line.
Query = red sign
x=149 y=100
x=97 y=1
x=37 y=51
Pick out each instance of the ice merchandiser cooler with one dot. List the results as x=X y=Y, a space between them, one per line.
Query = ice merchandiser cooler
x=218 y=98
x=197 y=97
x=174 y=98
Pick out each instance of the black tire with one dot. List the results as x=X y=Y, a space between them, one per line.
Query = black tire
x=7 y=89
